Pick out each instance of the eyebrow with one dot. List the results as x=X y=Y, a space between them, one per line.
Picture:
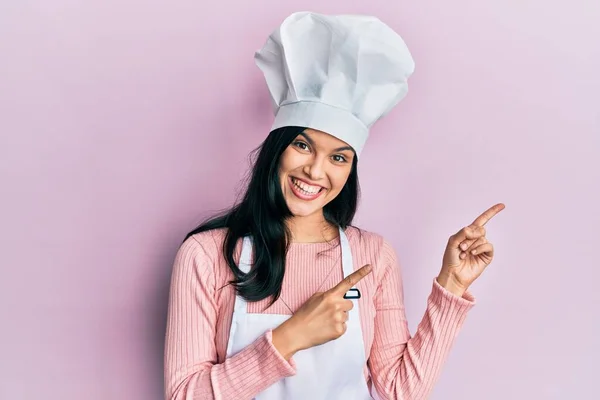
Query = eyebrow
x=312 y=143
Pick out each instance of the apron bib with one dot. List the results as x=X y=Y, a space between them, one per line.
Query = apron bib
x=330 y=371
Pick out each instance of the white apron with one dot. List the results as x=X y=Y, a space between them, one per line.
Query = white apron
x=331 y=371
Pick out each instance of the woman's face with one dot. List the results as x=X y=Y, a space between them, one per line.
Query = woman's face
x=313 y=170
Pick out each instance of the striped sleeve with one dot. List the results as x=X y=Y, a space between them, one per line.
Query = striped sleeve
x=190 y=359
x=405 y=367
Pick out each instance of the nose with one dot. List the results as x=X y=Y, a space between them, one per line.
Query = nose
x=314 y=169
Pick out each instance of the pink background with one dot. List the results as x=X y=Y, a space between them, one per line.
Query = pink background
x=124 y=123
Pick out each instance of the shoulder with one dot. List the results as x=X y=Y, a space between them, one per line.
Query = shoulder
x=209 y=241
x=199 y=253
x=367 y=241
x=372 y=248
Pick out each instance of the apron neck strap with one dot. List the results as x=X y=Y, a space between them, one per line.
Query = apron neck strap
x=246 y=256
x=347 y=265
x=245 y=264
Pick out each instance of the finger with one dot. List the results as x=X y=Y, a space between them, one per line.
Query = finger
x=471 y=244
x=468 y=245
x=486 y=248
x=488 y=214
x=340 y=317
x=340 y=328
x=346 y=305
x=468 y=232
x=351 y=280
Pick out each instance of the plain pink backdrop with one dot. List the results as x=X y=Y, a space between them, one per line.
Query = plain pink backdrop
x=124 y=123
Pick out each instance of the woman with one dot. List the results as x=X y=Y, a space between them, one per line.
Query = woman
x=281 y=297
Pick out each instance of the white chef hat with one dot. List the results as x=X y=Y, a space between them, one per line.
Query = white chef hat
x=335 y=73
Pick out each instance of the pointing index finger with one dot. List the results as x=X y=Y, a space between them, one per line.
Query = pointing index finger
x=488 y=214
x=351 y=280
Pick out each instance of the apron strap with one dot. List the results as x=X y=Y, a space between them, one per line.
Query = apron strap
x=245 y=266
x=240 y=305
x=347 y=265
x=348 y=268
x=245 y=257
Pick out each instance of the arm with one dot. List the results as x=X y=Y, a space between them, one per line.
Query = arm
x=191 y=368
x=403 y=367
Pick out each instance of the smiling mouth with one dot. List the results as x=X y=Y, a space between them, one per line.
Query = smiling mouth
x=304 y=190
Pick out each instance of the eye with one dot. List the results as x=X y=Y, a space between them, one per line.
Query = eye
x=339 y=158
x=302 y=145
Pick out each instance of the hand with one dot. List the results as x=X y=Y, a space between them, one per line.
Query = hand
x=468 y=254
x=321 y=319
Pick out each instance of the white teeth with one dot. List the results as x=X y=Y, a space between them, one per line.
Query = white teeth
x=308 y=189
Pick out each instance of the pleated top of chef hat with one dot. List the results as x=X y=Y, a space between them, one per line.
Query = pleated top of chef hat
x=335 y=73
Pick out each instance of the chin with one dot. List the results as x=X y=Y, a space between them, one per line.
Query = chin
x=302 y=210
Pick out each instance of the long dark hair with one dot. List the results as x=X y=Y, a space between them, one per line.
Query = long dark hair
x=261 y=214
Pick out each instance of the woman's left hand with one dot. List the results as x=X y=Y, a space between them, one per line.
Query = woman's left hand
x=467 y=254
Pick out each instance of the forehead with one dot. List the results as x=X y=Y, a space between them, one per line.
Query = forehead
x=324 y=139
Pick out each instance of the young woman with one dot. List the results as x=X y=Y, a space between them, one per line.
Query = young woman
x=281 y=297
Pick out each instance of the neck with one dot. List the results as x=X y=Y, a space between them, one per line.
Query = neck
x=311 y=229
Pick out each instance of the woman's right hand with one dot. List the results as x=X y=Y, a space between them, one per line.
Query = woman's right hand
x=321 y=319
